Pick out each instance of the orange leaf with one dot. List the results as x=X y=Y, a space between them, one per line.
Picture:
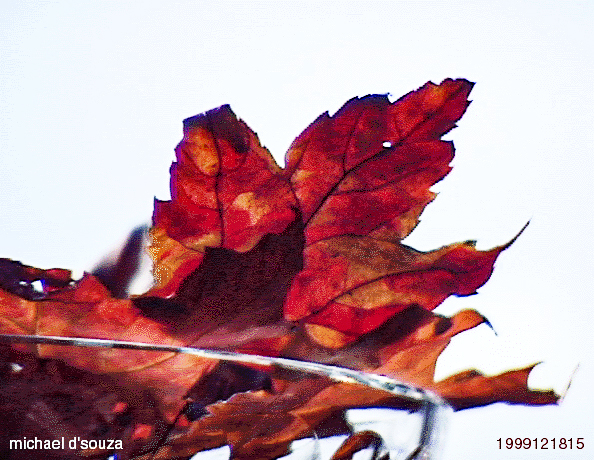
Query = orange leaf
x=305 y=262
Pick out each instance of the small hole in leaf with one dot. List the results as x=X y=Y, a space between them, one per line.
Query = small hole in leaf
x=387 y=144
x=37 y=286
x=16 y=368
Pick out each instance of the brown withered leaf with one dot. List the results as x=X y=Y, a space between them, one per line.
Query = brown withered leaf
x=304 y=262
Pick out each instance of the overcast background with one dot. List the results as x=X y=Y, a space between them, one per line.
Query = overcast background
x=93 y=94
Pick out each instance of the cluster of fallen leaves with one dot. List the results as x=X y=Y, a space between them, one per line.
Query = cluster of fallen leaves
x=303 y=262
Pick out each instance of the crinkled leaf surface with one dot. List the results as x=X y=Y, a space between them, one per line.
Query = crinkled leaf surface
x=303 y=262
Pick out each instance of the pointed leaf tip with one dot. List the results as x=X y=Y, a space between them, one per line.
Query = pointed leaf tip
x=512 y=241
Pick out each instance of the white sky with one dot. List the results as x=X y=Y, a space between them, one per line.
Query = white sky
x=93 y=94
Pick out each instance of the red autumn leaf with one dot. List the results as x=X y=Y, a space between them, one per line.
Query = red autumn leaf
x=304 y=262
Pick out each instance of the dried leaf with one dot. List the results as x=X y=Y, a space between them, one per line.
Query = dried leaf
x=304 y=262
